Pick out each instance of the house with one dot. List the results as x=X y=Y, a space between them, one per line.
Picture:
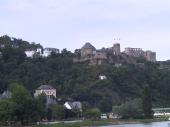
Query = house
x=48 y=51
x=102 y=77
x=30 y=53
x=41 y=52
x=73 y=105
x=5 y=95
x=48 y=90
x=118 y=65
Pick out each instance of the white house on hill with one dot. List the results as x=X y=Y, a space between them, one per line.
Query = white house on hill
x=48 y=90
x=42 y=52
x=48 y=51
x=5 y=95
x=30 y=53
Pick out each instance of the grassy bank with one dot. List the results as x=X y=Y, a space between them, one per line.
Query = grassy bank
x=89 y=123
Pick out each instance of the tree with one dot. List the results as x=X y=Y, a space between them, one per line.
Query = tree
x=147 y=102
x=93 y=113
x=42 y=100
x=49 y=113
x=105 y=106
x=19 y=94
x=7 y=112
x=58 y=112
x=77 y=53
x=27 y=109
x=130 y=109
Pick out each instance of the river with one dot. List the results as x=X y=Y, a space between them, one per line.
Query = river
x=155 y=124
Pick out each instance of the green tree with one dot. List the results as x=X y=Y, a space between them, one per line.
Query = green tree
x=41 y=104
x=105 y=106
x=147 y=102
x=58 y=112
x=130 y=109
x=27 y=109
x=93 y=113
x=7 y=112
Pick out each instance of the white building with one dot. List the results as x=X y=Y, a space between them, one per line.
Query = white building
x=73 y=105
x=48 y=51
x=5 y=95
x=102 y=77
x=45 y=53
x=48 y=90
x=30 y=53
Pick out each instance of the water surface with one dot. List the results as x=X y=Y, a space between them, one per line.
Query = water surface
x=155 y=124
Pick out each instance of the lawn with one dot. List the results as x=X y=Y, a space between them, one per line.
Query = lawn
x=88 y=123
x=78 y=124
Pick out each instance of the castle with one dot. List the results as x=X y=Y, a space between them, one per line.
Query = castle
x=89 y=52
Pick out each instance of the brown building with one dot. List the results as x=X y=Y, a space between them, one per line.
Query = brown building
x=88 y=50
x=99 y=58
x=135 y=52
x=89 y=53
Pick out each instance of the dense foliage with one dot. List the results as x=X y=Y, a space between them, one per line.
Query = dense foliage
x=130 y=109
x=79 y=81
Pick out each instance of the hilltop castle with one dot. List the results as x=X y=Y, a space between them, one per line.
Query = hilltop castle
x=89 y=52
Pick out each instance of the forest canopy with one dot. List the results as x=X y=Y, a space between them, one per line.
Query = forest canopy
x=80 y=81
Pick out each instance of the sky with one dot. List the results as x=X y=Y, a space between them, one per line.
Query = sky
x=71 y=23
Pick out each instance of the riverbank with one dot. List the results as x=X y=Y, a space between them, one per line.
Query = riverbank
x=88 y=123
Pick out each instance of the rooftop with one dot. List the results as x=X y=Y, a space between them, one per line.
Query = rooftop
x=45 y=87
x=88 y=46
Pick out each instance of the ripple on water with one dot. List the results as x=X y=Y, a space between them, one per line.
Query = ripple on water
x=155 y=124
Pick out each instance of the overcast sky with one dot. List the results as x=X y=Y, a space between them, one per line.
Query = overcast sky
x=71 y=23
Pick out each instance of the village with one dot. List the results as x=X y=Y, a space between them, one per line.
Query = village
x=51 y=99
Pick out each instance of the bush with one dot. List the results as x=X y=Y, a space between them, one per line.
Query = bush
x=93 y=113
x=7 y=112
x=130 y=109
x=58 y=112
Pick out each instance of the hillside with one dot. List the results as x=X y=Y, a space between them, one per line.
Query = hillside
x=80 y=81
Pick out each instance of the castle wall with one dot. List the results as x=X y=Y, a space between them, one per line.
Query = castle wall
x=135 y=52
x=89 y=52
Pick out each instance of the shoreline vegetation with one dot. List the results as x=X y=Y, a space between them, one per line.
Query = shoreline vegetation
x=95 y=123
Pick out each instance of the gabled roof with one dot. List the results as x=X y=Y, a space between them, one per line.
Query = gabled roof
x=88 y=46
x=45 y=87
x=73 y=105
x=77 y=105
x=5 y=95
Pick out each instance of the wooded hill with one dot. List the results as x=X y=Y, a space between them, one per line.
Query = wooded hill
x=80 y=81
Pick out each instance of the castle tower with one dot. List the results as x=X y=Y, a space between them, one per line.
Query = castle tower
x=150 y=56
x=87 y=50
x=116 y=49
